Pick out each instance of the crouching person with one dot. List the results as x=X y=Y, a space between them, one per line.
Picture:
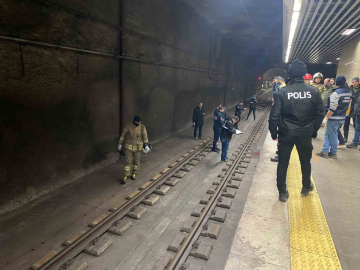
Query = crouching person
x=136 y=140
x=227 y=130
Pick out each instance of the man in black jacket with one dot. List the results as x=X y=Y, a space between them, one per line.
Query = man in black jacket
x=198 y=120
x=295 y=118
x=227 y=130
x=238 y=109
x=252 y=108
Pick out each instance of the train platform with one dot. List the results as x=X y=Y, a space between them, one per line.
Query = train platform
x=320 y=231
x=248 y=228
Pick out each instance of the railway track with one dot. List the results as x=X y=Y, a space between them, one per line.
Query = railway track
x=63 y=258
x=191 y=241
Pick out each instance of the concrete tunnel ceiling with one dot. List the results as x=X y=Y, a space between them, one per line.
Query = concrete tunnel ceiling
x=318 y=38
x=255 y=26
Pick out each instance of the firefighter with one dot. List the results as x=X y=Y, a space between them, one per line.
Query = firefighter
x=307 y=78
x=136 y=140
x=317 y=82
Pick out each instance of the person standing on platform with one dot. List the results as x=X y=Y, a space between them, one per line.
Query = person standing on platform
x=332 y=82
x=281 y=82
x=355 y=106
x=307 y=78
x=337 y=105
x=227 y=130
x=198 y=120
x=328 y=89
x=238 y=110
x=252 y=108
x=136 y=140
x=354 y=88
x=218 y=122
x=317 y=78
x=295 y=118
x=275 y=87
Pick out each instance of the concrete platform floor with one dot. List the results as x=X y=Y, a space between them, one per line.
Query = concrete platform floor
x=262 y=238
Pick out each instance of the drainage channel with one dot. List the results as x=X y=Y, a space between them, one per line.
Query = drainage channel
x=91 y=240
x=216 y=201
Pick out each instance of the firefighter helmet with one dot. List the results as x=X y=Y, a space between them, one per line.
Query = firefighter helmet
x=318 y=75
x=147 y=148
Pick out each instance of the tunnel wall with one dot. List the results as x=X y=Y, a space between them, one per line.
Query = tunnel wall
x=60 y=109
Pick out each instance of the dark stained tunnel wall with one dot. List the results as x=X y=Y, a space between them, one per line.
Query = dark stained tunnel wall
x=60 y=109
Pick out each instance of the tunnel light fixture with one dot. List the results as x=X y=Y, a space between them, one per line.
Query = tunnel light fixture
x=293 y=25
x=348 y=32
x=338 y=59
x=328 y=63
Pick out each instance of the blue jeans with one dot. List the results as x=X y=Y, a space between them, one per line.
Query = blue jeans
x=331 y=136
x=357 y=130
x=225 y=147
x=216 y=139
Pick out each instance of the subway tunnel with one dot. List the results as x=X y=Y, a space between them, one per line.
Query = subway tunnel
x=75 y=73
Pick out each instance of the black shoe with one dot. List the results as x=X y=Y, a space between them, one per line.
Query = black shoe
x=305 y=190
x=123 y=181
x=352 y=145
x=215 y=150
x=333 y=156
x=283 y=196
x=323 y=155
x=275 y=158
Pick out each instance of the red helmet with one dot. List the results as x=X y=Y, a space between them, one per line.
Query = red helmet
x=307 y=76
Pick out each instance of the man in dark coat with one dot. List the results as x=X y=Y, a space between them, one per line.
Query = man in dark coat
x=198 y=120
x=227 y=130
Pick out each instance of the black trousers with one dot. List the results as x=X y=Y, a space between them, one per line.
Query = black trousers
x=304 y=148
x=195 y=130
x=251 y=110
x=237 y=123
x=347 y=126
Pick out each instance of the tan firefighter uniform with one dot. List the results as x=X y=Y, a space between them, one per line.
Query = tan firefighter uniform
x=135 y=137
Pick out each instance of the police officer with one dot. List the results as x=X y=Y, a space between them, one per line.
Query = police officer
x=238 y=110
x=252 y=108
x=218 y=122
x=295 y=118
x=136 y=140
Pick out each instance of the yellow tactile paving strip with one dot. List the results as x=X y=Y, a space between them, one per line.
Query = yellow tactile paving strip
x=311 y=244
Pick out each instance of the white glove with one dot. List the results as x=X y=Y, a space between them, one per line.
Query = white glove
x=119 y=147
x=147 y=148
x=239 y=132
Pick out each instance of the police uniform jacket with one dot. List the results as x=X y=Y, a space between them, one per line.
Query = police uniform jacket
x=198 y=116
x=134 y=137
x=298 y=110
x=218 y=121
x=238 y=110
x=253 y=103
x=338 y=103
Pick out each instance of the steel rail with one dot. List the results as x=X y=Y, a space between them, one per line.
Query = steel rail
x=83 y=241
x=185 y=248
